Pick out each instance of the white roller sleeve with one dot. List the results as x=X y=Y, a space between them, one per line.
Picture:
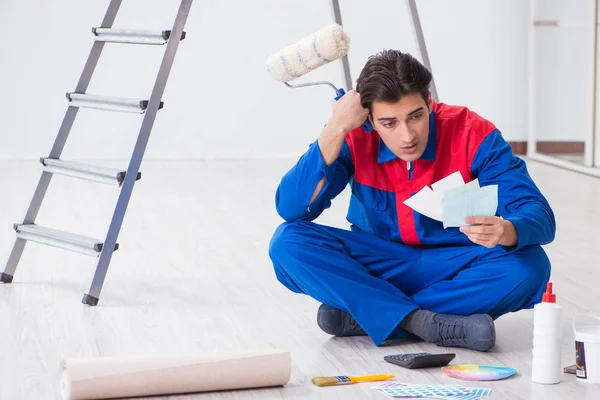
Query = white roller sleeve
x=320 y=48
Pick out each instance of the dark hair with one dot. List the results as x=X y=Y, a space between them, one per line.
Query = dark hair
x=390 y=75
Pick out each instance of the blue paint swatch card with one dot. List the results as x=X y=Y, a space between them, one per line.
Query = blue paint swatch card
x=444 y=392
x=468 y=200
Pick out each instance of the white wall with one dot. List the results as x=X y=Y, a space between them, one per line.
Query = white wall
x=478 y=51
x=220 y=102
x=562 y=70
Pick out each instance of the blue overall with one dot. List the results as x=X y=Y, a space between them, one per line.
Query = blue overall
x=393 y=261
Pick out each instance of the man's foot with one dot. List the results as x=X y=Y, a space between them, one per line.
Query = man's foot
x=337 y=322
x=475 y=332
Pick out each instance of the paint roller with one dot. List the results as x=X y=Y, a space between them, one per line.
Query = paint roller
x=320 y=48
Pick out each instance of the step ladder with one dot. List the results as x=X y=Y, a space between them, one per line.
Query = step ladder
x=102 y=250
x=415 y=23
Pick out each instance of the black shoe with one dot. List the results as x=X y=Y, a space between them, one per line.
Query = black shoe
x=475 y=332
x=337 y=322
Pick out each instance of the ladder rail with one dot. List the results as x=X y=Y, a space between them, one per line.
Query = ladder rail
x=59 y=143
x=337 y=16
x=103 y=261
x=413 y=15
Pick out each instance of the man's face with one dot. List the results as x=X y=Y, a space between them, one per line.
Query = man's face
x=403 y=126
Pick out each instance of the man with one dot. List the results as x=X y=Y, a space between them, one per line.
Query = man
x=397 y=272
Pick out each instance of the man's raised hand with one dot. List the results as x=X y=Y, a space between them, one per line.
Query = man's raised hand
x=347 y=112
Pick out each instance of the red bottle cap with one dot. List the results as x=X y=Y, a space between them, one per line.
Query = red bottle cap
x=549 y=297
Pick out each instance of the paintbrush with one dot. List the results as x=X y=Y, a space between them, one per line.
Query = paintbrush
x=347 y=380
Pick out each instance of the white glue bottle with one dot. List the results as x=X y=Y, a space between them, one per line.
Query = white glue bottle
x=547 y=340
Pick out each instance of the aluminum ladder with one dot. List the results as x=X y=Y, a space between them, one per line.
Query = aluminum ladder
x=102 y=250
x=415 y=22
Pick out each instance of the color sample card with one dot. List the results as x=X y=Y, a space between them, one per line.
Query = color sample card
x=450 y=392
x=472 y=372
x=451 y=200
x=469 y=200
x=463 y=397
x=408 y=390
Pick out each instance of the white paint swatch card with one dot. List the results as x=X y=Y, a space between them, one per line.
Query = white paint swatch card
x=450 y=182
x=427 y=202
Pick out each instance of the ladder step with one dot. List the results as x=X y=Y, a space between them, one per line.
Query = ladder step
x=105 y=175
x=60 y=239
x=108 y=103
x=132 y=36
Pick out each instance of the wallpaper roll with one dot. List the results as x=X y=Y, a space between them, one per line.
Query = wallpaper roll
x=106 y=378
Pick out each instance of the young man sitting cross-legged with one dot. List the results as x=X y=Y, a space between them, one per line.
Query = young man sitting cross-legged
x=396 y=271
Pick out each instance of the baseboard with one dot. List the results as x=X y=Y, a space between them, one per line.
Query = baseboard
x=519 y=148
x=550 y=147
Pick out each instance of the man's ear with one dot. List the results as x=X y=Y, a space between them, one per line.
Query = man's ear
x=429 y=101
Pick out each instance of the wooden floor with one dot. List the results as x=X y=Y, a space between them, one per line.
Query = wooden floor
x=193 y=275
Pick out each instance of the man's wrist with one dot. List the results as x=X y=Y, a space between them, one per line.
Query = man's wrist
x=510 y=236
x=335 y=131
x=330 y=143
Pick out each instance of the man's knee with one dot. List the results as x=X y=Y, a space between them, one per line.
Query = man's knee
x=278 y=248
x=529 y=271
x=285 y=249
x=531 y=266
x=285 y=240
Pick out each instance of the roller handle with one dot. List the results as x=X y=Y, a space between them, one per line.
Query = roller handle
x=365 y=125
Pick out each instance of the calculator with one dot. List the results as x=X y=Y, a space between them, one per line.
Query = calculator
x=420 y=360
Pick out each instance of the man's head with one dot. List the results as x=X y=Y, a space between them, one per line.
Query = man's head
x=394 y=86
